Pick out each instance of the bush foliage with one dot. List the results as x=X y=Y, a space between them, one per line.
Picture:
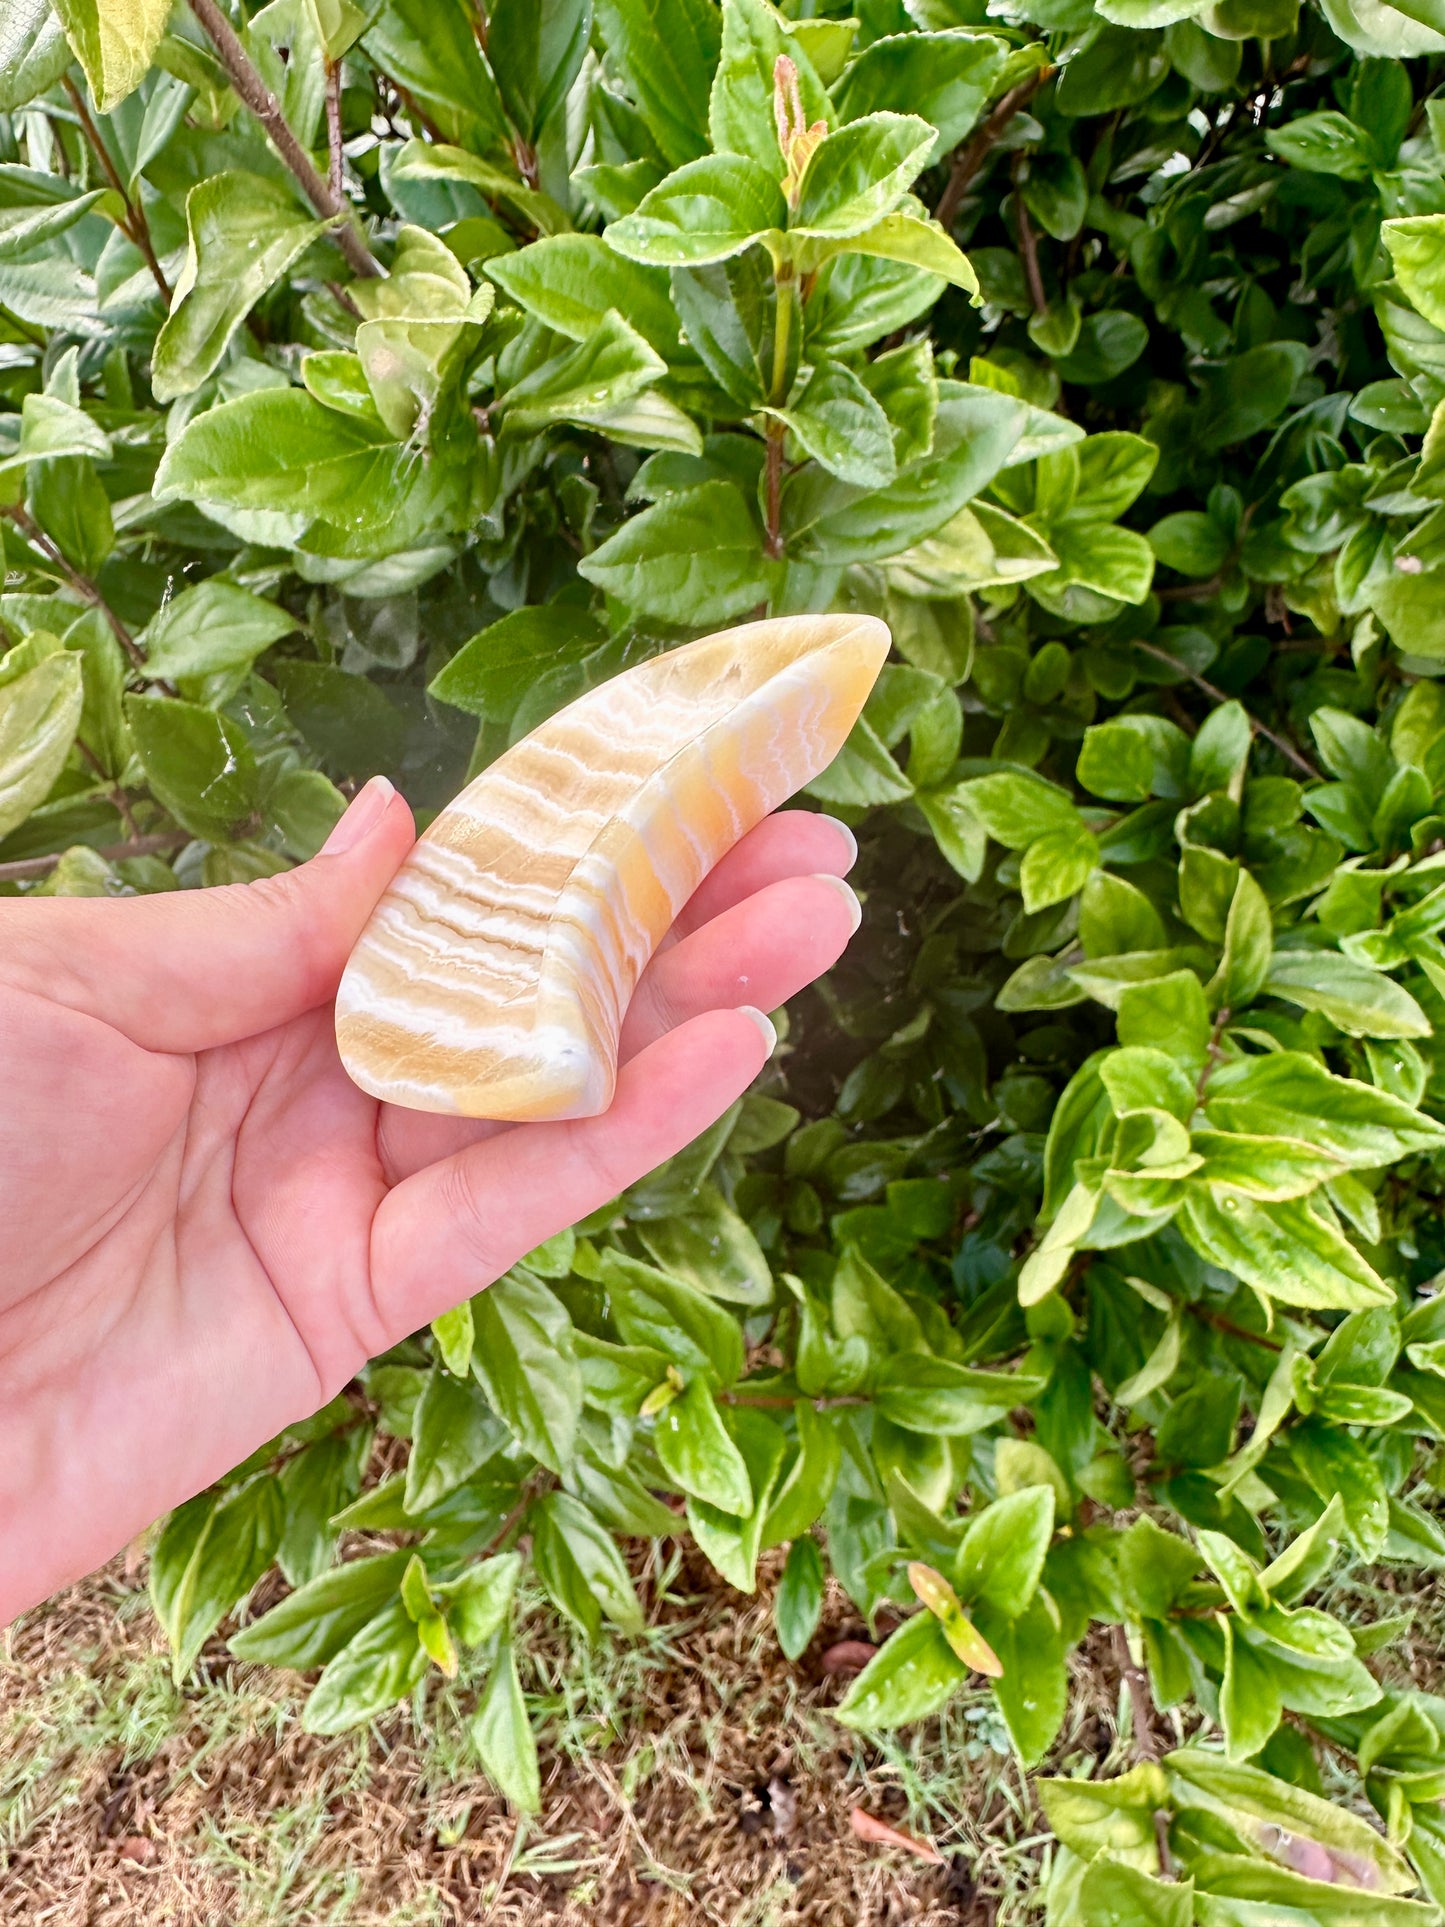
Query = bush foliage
x=379 y=374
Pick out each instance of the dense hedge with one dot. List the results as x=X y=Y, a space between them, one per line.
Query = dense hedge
x=1075 y=1262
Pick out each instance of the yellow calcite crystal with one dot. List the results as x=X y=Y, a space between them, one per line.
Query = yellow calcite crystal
x=493 y=976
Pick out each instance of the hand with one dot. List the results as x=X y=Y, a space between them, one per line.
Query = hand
x=207 y=1227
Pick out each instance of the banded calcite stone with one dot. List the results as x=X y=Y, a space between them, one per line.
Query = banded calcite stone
x=493 y=976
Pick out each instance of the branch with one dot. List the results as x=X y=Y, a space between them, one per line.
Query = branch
x=1029 y=249
x=40 y=866
x=970 y=156
x=1146 y=1737
x=82 y=584
x=264 y=105
x=333 y=125
x=1285 y=748
x=134 y=225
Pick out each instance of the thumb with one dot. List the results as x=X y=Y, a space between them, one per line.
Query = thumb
x=195 y=968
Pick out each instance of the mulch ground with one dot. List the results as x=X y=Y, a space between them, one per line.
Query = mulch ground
x=711 y=1787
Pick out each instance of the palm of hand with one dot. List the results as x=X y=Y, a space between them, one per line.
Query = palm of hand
x=211 y=1228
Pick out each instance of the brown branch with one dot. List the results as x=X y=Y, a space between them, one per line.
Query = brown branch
x=116 y=794
x=1029 y=248
x=1285 y=748
x=82 y=585
x=333 y=125
x=774 y=488
x=133 y=224
x=257 y=96
x=970 y=156
x=40 y=866
x=1146 y=1737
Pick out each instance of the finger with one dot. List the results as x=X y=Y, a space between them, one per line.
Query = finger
x=195 y=968
x=760 y=952
x=458 y=1225
x=763 y=951
x=790 y=843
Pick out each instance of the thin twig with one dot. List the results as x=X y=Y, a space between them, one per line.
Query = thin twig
x=113 y=790
x=971 y=155
x=333 y=124
x=258 y=97
x=1286 y=749
x=773 y=542
x=40 y=866
x=133 y=224
x=1146 y=1737
x=1029 y=248
x=82 y=585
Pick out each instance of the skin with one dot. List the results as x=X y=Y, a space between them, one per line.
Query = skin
x=208 y=1229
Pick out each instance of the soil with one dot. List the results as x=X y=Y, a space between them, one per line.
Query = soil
x=696 y=1780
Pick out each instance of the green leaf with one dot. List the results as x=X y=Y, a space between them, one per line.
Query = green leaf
x=912 y=1675
x=198 y=765
x=830 y=522
x=502 y=1735
x=908 y=239
x=1286 y=1251
x=944 y=77
x=534 y=48
x=937 y=1396
x=1002 y=1557
x=1249 y=1700
x=798 y=1602
x=526 y=1363
x=860 y=174
x=571 y=281
x=732 y=1541
x=455 y=1333
x=1326 y=143
x=477 y=1603
x=611 y=366
x=1417 y=248
x=312 y=1624
x=1056 y=866
x=494 y=669
x=429 y=47
x=698 y=1454
x=1032 y=1690
x=740 y=108
x=39 y=714
x=1016 y=807
x=709 y=1246
x=695 y=557
x=454 y=1431
x=577 y=1561
x=235 y=1545
x=34 y=52
x=280 y=449
x=243 y=232
x=674 y=1318
x=114 y=41
x=1360 y=1001
x=213 y=626
x=666 y=52
x=842 y=427
x=377 y=1667
x=706 y=211
x=1248 y=392
x=1287 y=1094
x=1248 y=938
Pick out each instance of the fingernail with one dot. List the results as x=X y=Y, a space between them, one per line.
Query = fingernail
x=367 y=808
x=850 y=841
x=764 y=1024
x=845 y=890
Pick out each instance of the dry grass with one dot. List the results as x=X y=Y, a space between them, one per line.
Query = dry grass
x=692 y=1776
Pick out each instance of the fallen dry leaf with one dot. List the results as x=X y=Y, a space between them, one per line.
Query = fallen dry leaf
x=783 y=1805
x=849 y=1656
x=878 y=1833
x=136 y=1847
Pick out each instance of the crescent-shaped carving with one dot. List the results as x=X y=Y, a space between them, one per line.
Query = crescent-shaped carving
x=493 y=976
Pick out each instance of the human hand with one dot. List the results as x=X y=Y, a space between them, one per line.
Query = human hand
x=209 y=1228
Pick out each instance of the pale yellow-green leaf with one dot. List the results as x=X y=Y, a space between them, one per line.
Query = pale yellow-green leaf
x=114 y=41
x=39 y=715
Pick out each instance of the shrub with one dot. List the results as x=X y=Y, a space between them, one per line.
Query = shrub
x=1074 y=1265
